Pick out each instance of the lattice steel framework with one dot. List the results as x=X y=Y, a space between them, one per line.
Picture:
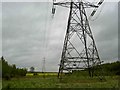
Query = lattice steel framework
x=79 y=49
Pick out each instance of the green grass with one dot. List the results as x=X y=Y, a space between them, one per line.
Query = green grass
x=67 y=82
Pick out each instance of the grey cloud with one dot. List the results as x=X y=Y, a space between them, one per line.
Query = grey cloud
x=30 y=34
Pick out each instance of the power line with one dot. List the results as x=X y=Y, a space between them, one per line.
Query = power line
x=45 y=30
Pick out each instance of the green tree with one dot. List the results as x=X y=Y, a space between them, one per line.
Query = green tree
x=32 y=69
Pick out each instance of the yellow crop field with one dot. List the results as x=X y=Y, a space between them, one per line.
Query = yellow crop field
x=41 y=74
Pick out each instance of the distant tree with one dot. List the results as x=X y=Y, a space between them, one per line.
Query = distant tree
x=32 y=69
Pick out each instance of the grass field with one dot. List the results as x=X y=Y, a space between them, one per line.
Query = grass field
x=52 y=81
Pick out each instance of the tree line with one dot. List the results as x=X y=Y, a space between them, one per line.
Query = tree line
x=9 y=71
x=111 y=68
x=108 y=69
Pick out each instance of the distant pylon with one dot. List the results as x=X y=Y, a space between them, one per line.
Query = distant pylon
x=43 y=65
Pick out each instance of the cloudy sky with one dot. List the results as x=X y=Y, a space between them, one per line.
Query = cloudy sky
x=30 y=33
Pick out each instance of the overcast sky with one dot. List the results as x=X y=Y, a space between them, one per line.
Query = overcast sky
x=29 y=33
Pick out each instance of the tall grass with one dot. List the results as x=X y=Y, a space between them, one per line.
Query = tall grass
x=67 y=82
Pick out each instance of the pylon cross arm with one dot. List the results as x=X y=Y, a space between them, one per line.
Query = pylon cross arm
x=76 y=4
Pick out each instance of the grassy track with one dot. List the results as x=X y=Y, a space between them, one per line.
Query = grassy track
x=53 y=82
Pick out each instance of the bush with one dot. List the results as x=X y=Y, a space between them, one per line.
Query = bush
x=35 y=74
x=7 y=77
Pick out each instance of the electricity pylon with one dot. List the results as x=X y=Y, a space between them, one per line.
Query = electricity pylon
x=79 y=49
x=43 y=67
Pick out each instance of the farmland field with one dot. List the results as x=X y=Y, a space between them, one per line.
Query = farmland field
x=51 y=81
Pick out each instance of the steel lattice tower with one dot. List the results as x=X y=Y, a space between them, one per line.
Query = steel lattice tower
x=79 y=49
